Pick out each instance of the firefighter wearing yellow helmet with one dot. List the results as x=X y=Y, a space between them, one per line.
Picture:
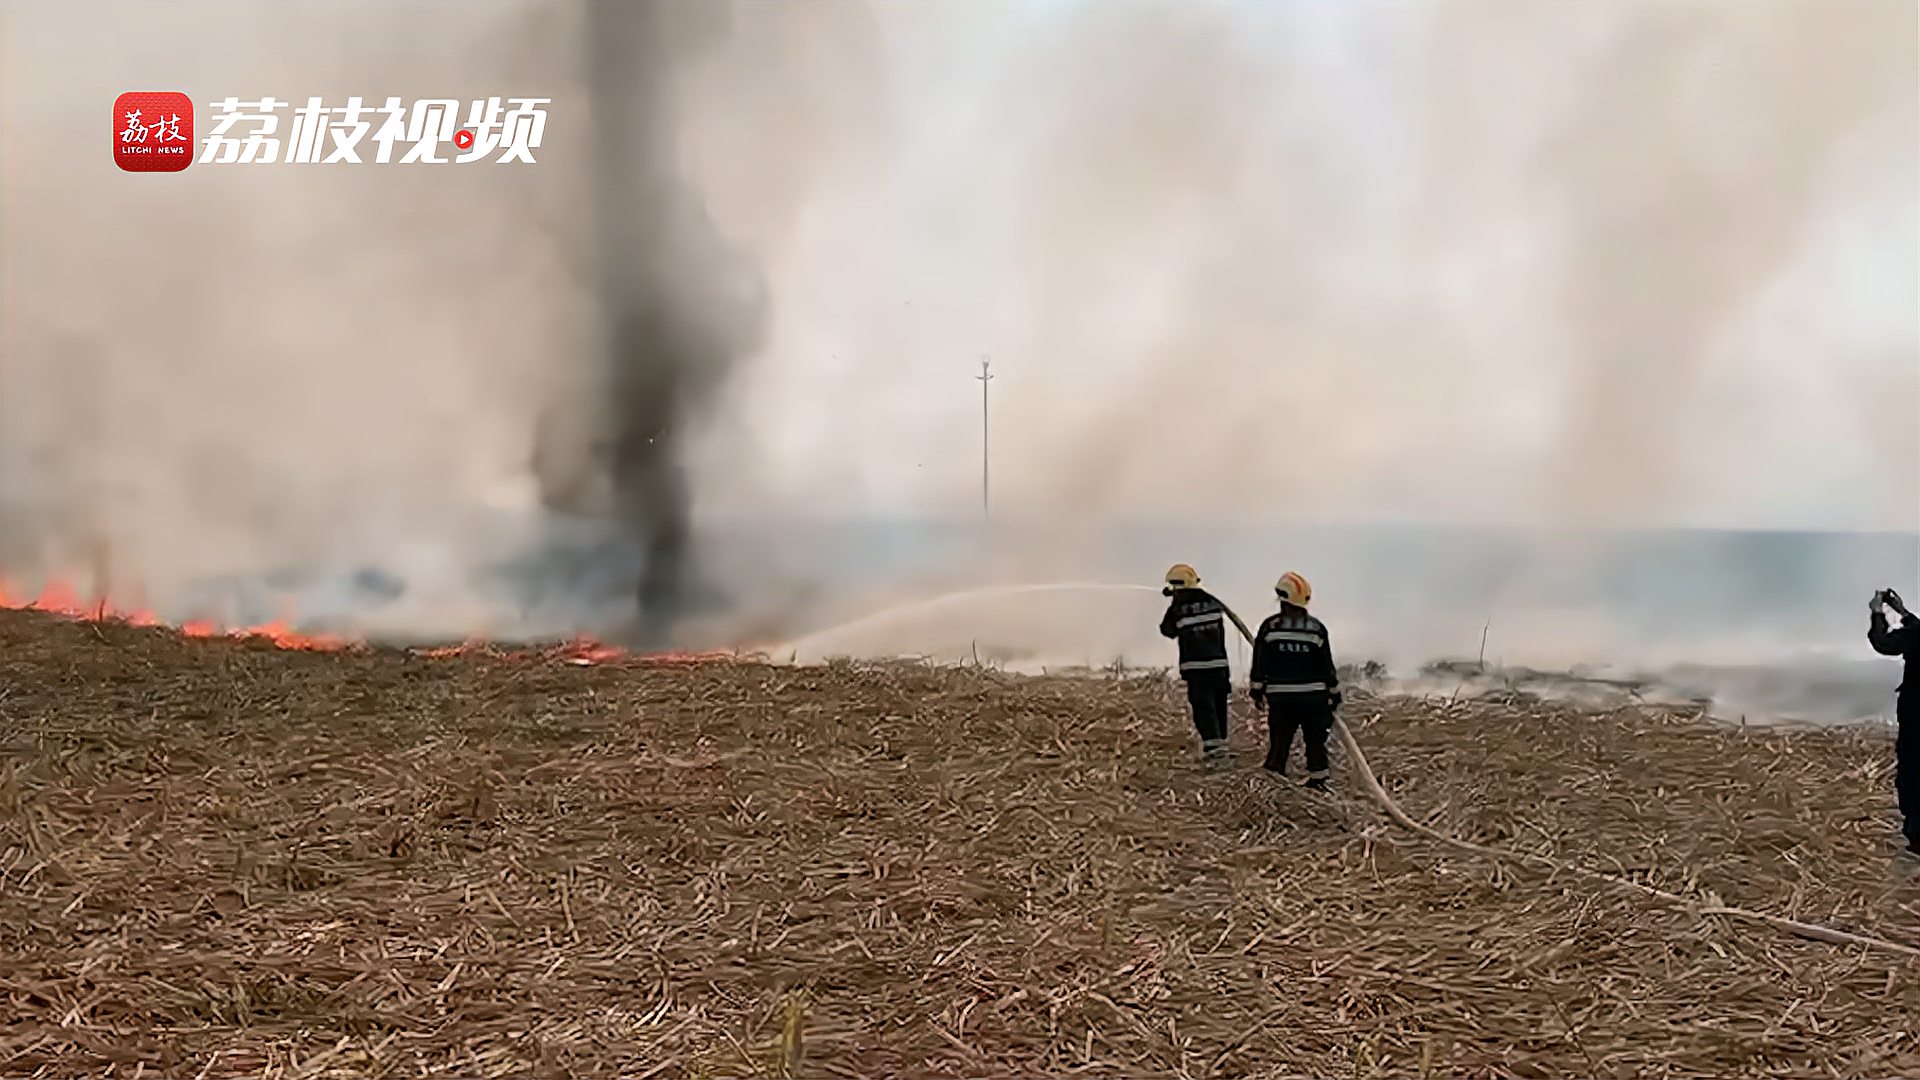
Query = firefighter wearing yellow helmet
x=1293 y=674
x=1197 y=621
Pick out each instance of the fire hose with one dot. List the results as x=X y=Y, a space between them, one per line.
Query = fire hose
x=1399 y=817
x=1809 y=931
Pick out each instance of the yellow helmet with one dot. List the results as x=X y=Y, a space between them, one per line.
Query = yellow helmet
x=1293 y=589
x=1182 y=576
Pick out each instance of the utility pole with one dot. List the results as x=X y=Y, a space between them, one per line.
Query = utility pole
x=985 y=377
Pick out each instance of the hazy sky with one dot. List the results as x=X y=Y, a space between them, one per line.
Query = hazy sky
x=1637 y=263
x=1181 y=234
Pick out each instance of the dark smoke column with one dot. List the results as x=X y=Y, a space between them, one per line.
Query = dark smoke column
x=677 y=306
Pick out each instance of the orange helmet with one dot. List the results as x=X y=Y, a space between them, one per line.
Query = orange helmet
x=1293 y=589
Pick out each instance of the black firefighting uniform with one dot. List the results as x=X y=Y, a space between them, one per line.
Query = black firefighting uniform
x=1293 y=669
x=1198 y=622
x=1904 y=642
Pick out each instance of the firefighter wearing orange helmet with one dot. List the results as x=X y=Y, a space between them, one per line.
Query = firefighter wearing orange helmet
x=1293 y=674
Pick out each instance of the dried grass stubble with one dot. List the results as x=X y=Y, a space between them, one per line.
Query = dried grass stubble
x=382 y=865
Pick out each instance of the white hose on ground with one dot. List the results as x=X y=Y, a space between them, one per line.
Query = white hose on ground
x=1809 y=931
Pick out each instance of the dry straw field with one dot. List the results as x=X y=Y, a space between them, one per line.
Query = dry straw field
x=223 y=859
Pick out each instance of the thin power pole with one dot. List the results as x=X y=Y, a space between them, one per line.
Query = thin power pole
x=985 y=377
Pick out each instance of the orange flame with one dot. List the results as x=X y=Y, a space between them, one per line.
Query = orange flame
x=61 y=598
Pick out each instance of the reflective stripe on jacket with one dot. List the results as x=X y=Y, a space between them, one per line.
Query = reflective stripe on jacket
x=1198 y=622
x=1292 y=655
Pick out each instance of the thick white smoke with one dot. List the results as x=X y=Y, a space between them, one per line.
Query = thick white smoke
x=234 y=369
x=1242 y=269
x=1618 y=264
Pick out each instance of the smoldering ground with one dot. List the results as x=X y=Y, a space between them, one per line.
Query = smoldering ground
x=1241 y=268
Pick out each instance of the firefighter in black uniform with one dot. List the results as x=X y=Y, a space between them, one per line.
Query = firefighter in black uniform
x=1293 y=671
x=1903 y=642
x=1197 y=621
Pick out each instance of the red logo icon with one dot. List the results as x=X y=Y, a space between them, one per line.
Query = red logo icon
x=153 y=131
x=463 y=140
